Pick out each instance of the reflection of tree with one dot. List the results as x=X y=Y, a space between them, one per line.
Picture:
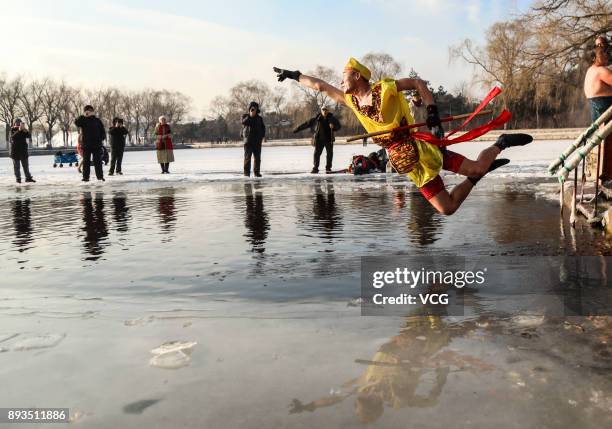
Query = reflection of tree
x=94 y=225
x=424 y=223
x=325 y=211
x=255 y=219
x=400 y=370
x=120 y=211
x=22 y=220
x=167 y=211
x=521 y=223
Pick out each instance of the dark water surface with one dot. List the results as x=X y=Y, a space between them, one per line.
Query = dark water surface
x=230 y=236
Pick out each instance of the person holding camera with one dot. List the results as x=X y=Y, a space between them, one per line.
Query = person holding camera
x=253 y=133
x=117 y=143
x=325 y=125
x=19 y=150
x=92 y=136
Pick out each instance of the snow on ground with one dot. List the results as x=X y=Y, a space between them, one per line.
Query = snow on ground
x=202 y=165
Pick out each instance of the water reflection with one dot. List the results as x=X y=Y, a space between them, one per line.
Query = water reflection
x=22 y=222
x=424 y=223
x=326 y=216
x=167 y=213
x=121 y=215
x=94 y=225
x=409 y=370
x=256 y=219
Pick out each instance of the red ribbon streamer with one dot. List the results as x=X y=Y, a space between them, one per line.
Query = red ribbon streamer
x=500 y=120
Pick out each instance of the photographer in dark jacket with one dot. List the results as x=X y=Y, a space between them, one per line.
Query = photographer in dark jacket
x=253 y=133
x=19 y=150
x=325 y=125
x=117 y=143
x=93 y=134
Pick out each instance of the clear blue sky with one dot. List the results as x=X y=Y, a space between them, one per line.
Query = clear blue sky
x=204 y=47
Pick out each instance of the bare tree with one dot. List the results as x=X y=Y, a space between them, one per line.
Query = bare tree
x=69 y=107
x=30 y=103
x=128 y=111
x=501 y=61
x=241 y=94
x=10 y=93
x=567 y=29
x=151 y=111
x=381 y=65
x=278 y=105
x=540 y=58
x=219 y=106
x=313 y=99
x=54 y=97
x=175 y=105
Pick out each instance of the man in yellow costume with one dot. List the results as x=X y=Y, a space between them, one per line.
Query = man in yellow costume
x=382 y=107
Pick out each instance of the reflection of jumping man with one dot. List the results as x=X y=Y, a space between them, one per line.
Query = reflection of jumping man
x=396 y=372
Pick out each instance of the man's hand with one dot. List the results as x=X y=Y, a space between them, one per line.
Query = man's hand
x=433 y=121
x=331 y=126
x=282 y=74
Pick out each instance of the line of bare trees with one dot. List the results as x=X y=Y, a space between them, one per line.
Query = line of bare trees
x=540 y=57
x=49 y=108
x=286 y=106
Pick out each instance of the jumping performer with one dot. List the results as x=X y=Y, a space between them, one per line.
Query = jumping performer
x=382 y=106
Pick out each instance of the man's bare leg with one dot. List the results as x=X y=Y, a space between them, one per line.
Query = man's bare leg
x=481 y=166
x=448 y=203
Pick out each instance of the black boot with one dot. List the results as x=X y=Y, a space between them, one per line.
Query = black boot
x=30 y=180
x=494 y=165
x=505 y=141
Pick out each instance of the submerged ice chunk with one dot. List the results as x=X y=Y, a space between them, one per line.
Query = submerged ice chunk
x=34 y=342
x=527 y=321
x=172 y=355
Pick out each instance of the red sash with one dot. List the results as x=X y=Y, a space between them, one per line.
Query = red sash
x=500 y=120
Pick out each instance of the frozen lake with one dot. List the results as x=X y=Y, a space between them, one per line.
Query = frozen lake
x=226 y=163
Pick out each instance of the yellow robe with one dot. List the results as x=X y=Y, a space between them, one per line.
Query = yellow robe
x=394 y=107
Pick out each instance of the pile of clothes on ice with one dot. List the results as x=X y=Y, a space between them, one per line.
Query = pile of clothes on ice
x=376 y=162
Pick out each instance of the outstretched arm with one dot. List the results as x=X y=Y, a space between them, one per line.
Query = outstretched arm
x=319 y=85
x=308 y=124
x=419 y=85
x=311 y=82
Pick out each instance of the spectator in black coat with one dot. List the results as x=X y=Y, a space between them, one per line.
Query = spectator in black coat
x=253 y=133
x=19 y=150
x=325 y=125
x=117 y=143
x=93 y=134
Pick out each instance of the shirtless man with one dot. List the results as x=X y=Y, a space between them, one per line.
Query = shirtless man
x=382 y=106
x=598 y=90
x=598 y=79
